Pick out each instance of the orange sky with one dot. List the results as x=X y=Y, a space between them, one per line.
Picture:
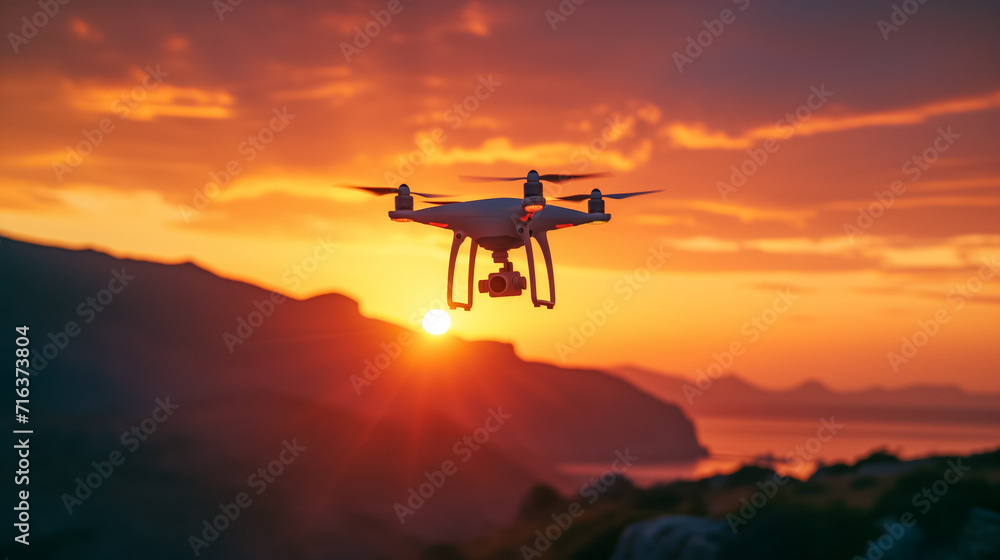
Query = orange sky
x=832 y=111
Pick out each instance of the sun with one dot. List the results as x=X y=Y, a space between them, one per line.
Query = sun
x=437 y=321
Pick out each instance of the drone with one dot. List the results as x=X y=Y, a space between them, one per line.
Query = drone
x=502 y=224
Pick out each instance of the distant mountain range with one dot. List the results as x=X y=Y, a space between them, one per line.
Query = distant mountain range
x=379 y=410
x=733 y=397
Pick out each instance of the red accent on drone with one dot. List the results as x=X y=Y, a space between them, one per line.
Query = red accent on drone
x=560 y=226
x=438 y=224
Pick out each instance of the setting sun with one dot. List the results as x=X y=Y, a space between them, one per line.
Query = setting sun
x=437 y=321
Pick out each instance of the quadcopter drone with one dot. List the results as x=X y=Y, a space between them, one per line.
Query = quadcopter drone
x=502 y=224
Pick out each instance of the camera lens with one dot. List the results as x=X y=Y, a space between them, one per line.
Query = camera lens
x=498 y=284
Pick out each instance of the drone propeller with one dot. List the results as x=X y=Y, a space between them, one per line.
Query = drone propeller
x=439 y=202
x=582 y=197
x=552 y=178
x=381 y=191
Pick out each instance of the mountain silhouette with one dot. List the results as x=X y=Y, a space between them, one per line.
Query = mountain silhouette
x=376 y=410
x=734 y=397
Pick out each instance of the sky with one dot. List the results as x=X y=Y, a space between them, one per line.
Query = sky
x=831 y=183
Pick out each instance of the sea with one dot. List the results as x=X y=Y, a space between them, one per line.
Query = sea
x=797 y=447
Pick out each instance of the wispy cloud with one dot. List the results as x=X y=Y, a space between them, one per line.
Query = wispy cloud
x=697 y=136
x=545 y=154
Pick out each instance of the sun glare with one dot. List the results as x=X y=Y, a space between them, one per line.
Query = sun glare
x=437 y=321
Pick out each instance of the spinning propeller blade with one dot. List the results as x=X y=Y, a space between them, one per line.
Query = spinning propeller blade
x=477 y=179
x=552 y=178
x=381 y=191
x=557 y=178
x=582 y=197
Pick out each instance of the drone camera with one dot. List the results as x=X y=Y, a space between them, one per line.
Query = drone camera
x=507 y=282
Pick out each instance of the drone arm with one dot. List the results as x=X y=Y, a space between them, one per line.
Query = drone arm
x=456 y=242
x=543 y=244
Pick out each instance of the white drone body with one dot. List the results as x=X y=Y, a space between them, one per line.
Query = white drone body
x=499 y=225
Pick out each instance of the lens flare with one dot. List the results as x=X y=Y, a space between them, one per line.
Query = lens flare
x=437 y=321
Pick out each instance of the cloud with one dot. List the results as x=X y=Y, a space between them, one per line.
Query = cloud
x=923 y=202
x=306 y=186
x=547 y=154
x=747 y=214
x=957 y=184
x=332 y=90
x=138 y=100
x=661 y=220
x=474 y=19
x=927 y=259
x=820 y=124
x=85 y=32
x=697 y=136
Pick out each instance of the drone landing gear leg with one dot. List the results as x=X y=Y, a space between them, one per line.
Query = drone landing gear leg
x=543 y=244
x=456 y=242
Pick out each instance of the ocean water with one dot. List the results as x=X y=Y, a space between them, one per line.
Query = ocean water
x=795 y=447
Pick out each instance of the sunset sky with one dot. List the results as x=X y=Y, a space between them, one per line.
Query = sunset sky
x=834 y=105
